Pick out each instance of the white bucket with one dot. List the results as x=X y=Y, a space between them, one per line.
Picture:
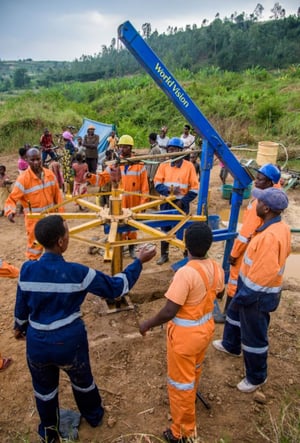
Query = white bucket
x=267 y=153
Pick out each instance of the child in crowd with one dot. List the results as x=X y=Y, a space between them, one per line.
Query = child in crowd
x=113 y=141
x=22 y=162
x=69 y=144
x=80 y=149
x=80 y=169
x=68 y=156
x=55 y=167
x=4 y=188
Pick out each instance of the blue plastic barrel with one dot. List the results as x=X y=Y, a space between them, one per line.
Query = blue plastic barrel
x=213 y=221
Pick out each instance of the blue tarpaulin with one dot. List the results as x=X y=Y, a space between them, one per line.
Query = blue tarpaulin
x=102 y=129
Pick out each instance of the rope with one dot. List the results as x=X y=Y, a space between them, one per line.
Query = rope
x=286 y=155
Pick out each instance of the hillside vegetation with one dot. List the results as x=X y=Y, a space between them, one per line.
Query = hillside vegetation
x=236 y=43
x=243 y=107
x=245 y=85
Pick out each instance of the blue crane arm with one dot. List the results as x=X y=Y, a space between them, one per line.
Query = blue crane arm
x=170 y=86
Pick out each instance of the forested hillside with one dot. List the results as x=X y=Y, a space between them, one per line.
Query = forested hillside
x=234 y=44
x=243 y=73
x=243 y=107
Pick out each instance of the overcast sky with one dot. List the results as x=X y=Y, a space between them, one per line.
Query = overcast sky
x=66 y=29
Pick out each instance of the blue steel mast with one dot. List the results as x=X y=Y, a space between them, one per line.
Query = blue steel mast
x=212 y=145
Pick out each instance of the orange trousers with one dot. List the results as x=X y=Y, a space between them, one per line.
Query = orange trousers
x=130 y=235
x=185 y=361
x=33 y=249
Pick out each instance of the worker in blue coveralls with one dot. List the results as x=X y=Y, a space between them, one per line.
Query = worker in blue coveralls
x=47 y=311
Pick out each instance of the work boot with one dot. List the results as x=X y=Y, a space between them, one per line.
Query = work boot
x=169 y=437
x=132 y=251
x=164 y=253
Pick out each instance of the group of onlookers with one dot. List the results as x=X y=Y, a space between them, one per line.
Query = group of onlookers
x=50 y=290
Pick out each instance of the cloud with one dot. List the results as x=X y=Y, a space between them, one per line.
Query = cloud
x=64 y=30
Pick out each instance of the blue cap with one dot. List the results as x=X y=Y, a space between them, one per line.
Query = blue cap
x=275 y=198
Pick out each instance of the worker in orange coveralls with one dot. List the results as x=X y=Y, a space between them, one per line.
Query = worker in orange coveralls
x=189 y=313
x=178 y=177
x=267 y=176
x=37 y=190
x=133 y=179
x=9 y=271
x=258 y=290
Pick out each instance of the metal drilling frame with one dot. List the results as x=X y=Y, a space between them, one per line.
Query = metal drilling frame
x=117 y=220
x=212 y=143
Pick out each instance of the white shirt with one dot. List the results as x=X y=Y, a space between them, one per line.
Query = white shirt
x=188 y=141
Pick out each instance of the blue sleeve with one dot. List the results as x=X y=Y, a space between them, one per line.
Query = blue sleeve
x=162 y=189
x=190 y=196
x=118 y=285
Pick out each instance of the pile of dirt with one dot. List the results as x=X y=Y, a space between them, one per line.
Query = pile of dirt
x=130 y=370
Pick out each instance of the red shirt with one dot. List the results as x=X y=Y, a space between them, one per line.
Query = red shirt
x=46 y=141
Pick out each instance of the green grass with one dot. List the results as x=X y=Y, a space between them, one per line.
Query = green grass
x=286 y=428
x=244 y=108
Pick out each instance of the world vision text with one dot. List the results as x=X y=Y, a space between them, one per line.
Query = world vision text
x=172 y=85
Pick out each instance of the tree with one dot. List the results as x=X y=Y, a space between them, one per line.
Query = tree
x=20 y=78
x=113 y=43
x=146 y=28
x=239 y=18
x=258 y=11
x=277 y=11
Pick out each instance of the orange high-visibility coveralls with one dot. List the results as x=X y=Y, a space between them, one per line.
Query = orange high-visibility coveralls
x=194 y=287
x=134 y=179
x=249 y=225
x=184 y=177
x=35 y=195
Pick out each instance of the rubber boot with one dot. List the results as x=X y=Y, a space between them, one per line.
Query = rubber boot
x=164 y=253
x=132 y=251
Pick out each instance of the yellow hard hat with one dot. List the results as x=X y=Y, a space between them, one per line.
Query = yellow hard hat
x=126 y=140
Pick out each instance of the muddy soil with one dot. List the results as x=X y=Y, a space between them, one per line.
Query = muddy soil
x=130 y=370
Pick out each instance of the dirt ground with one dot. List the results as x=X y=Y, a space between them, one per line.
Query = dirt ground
x=130 y=370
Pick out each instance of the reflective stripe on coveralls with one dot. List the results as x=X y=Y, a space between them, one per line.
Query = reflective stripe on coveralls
x=249 y=225
x=184 y=177
x=188 y=336
x=134 y=179
x=188 y=323
x=258 y=293
x=71 y=358
x=35 y=195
